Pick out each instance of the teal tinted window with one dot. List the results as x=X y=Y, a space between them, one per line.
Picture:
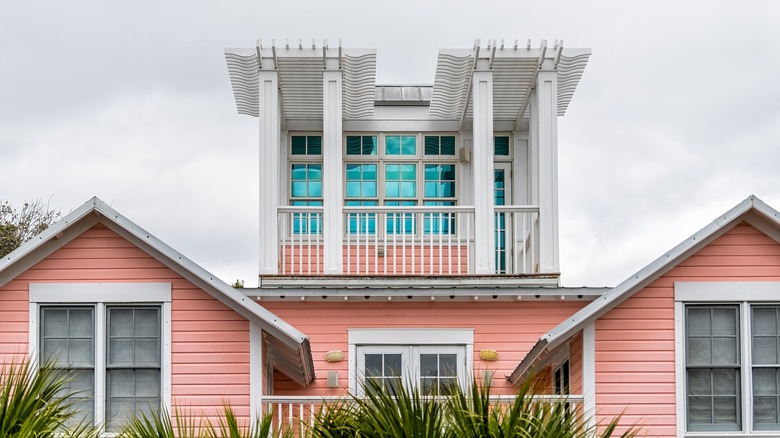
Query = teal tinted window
x=361 y=180
x=306 y=145
x=400 y=180
x=401 y=145
x=439 y=145
x=361 y=223
x=501 y=146
x=439 y=180
x=439 y=223
x=306 y=180
x=361 y=145
x=400 y=223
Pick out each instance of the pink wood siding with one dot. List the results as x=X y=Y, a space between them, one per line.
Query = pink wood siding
x=363 y=259
x=511 y=328
x=575 y=365
x=635 y=340
x=210 y=343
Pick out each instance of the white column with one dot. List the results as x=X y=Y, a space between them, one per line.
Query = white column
x=482 y=165
x=545 y=127
x=589 y=372
x=270 y=128
x=332 y=168
x=256 y=369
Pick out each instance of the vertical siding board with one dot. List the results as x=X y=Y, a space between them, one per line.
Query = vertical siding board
x=635 y=371
x=210 y=351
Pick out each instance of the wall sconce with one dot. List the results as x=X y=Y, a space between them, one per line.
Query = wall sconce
x=488 y=355
x=334 y=356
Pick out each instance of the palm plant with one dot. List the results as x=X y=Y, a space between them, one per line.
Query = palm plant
x=32 y=403
x=184 y=424
x=386 y=412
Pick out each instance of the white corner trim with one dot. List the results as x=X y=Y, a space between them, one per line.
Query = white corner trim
x=100 y=292
x=256 y=370
x=589 y=372
x=679 y=368
x=710 y=291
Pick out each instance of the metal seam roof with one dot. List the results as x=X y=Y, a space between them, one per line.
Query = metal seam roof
x=96 y=210
x=563 y=331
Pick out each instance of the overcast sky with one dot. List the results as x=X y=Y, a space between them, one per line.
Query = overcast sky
x=676 y=119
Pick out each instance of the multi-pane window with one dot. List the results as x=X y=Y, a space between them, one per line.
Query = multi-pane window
x=68 y=342
x=435 y=369
x=713 y=367
x=306 y=182
x=132 y=362
x=398 y=174
x=765 y=339
x=438 y=372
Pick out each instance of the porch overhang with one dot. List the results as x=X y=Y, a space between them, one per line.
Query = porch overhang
x=514 y=70
x=300 y=71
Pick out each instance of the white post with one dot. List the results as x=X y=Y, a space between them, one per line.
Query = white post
x=270 y=127
x=589 y=373
x=545 y=127
x=256 y=370
x=482 y=165
x=332 y=192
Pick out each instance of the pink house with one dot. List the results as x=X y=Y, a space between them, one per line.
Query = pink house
x=407 y=231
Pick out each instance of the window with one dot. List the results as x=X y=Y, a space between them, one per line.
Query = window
x=436 y=361
x=730 y=363
x=306 y=182
x=110 y=337
x=400 y=173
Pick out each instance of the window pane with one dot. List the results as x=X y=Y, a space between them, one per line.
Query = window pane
x=501 y=146
x=298 y=145
x=408 y=145
x=447 y=145
x=724 y=321
x=697 y=321
x=314 y=143
x=431 y=145
x=724 y=351
x=393 y=145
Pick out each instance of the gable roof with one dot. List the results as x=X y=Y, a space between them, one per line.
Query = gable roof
x=751 y=210
x=287 y=348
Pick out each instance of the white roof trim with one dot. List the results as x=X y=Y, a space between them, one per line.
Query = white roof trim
x=566 y=329
x=300 y=78
x=96 y=211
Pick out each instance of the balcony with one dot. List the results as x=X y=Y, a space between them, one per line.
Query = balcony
x=407 y=241
x=297 y=413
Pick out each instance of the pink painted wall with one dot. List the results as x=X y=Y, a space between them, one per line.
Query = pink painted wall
x=210 y=350
x=363 y=260
x=510 y=327
x=635 y=340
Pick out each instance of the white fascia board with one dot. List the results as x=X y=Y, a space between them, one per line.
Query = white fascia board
x=36 y=249
x=193 y=272
x=652 y=271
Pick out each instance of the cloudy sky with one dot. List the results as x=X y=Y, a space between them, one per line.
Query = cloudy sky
x=676 y=120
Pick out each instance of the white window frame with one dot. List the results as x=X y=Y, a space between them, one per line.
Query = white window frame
x=420 y=159
x=411 y=343
x=745 y=295
x=101 y=295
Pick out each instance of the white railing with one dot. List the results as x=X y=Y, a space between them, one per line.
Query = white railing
x=301 y=245
x=516 y=231
x=297 y=413
x=407 y=240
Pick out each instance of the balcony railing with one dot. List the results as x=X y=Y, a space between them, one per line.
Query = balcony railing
x=407 y=240
x=297 y=413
